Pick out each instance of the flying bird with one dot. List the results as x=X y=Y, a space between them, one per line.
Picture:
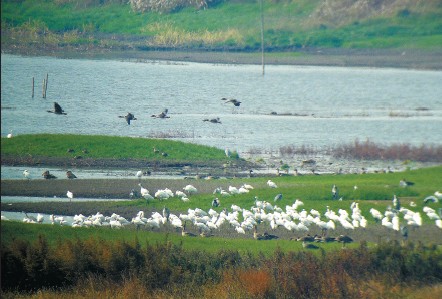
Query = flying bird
x=57 y=109
x=213 y=120
x=129 y=116
x=233 y=101
x=162 y=114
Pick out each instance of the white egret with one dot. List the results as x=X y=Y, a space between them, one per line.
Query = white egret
x=271 y=184
x=190 y=189
x=70 y=195
x=27 y=174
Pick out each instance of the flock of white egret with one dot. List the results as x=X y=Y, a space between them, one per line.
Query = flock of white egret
x=262 y=214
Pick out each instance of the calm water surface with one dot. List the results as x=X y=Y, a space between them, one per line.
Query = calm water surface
x=329 y=105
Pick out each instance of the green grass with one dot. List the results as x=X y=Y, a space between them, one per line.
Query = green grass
x=287 y=24
x=48 y=145
x=11 y=230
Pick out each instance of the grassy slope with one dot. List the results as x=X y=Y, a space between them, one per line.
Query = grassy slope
x=107 y=147
x=375 y=190
x=287 y=24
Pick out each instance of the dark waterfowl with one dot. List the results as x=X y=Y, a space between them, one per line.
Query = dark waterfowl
x=70 y=175
x=48 y=175
x=162 y=114
x=213 y=120
x=233 y=101
x=128 y=117
x=57 y=109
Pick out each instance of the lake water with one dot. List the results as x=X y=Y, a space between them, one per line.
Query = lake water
x=329 y=106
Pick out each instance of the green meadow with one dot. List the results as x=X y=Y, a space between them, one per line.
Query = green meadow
x=225 y=25
x=107 y=147
x=53 y=261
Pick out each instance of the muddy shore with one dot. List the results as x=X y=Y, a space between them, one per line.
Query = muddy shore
x=379 y=58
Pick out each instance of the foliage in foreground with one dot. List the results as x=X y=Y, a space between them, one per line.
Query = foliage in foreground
x=92 y=265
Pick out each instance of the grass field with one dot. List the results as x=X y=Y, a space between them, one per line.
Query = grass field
x=53 y=261
x=288 y=25
x=69 y=146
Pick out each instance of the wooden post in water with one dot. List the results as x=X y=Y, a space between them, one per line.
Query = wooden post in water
x=46 y=85
x=262 y=36
x=32 y=87
x=43 y=89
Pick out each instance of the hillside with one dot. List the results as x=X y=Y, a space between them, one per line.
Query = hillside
x=231 y=25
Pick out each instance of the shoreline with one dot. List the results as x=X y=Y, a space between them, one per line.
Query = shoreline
x=374 y=58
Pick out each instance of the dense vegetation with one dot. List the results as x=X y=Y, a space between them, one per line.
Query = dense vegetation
x=139 y=268
x=221 y=25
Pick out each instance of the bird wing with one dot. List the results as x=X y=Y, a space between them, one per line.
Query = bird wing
x=57 y=108
x=129 y=117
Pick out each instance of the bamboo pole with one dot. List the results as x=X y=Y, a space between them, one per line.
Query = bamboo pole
x=262 y=36
x=43 y=89
x=46 y=85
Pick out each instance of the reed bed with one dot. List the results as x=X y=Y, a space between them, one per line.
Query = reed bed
x=130 y=269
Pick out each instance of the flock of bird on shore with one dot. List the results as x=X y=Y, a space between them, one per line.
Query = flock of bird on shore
x=260 y=215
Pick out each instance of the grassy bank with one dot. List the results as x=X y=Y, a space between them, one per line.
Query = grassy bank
x=108 y=147
x=111 y=152
x=373 y=191
x=288 y=25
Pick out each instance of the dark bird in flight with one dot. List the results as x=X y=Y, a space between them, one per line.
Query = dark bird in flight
x=162 y=114
x=128 y=117
x=233 y=101
x=213 y=120
x=57 y=109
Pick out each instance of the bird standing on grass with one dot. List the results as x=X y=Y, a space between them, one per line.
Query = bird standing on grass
x=335 y=192
x=271 y=184
x=215 y=203
x=278 y=197
x=27 y=174
x=404 y=183
x=309 y=245
x=70 y=175
x=70 y=195
x=344 y=240
x=48 y=175
x=396 y=203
